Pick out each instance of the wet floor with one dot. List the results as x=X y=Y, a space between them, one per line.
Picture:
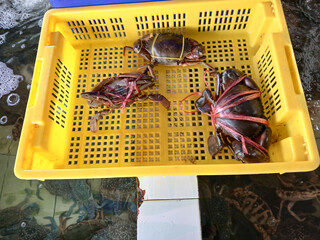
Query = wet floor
x=232 y=207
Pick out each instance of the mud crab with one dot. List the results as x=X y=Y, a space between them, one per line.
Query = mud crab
x=29 y=229
x=77 y=190
x=121 y=194
x=119 y=92
x=81 y=230
x=215 y=213
x=237 y=116
x=168 y=49
x=256 y=210
x=295 y=192
x=14 y=214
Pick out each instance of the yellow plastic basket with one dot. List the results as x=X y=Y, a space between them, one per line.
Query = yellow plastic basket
x=79 y=47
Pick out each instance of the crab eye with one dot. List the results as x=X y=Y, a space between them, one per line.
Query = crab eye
x=137 y=46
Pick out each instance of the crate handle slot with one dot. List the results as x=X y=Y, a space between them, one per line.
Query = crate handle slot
x=293 y=69
x=42 y=85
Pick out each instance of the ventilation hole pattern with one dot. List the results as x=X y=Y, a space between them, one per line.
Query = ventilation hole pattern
x=186 y=146
x=219 y=51
x=60 y=94
x=79 y=30
x=177 y=118
x=74 y=150
x=178 y=80
x=243 y=50
x=99 y=28
x=226 y=50
x=84 y=59
x=161 y=23
x=142 y=147
x=108 y=122
x=101 y=149
x=223 y=20
x=143 y=115
x=107 y=58
x=131 y=59
x=78 y=118
x=269 y=85
x=118 y=28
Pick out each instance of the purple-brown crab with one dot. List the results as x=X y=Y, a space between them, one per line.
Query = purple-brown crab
x=237 y=117
x=119 y=92
x=169 y=49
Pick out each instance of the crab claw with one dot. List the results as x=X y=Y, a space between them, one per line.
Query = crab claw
x=160 y=98
x=94 y=119
x=253 y=156
x=215 y=144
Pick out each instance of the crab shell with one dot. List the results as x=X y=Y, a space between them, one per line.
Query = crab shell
x=252 y=108
x=170 y=48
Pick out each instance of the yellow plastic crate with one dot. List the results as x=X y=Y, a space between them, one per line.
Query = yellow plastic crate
x=81 y=46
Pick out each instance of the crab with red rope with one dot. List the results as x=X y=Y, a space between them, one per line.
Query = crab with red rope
x=120 y=92
x=236 y=115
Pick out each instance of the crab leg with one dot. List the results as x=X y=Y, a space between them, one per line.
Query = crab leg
x=150 y=68
x=99 y=85
x=190 y=63
x=127 y=48
x=243 y=138
x=97 y=117
x=242 y=117
x=290 y=205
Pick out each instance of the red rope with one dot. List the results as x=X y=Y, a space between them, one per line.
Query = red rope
x=180 y=103
x=244 y=97
x=241 y=117
x=231 y=86
x=98 y=94
x=231 y=98
x=243 y=139
x=131 y=88
x=252 y=96
x=205 y=81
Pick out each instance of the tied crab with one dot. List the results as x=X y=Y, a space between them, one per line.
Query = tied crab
x=237 y=117
x=119 y=92
x=169 y=49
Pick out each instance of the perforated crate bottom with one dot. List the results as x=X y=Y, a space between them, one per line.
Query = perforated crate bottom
x=147 y=133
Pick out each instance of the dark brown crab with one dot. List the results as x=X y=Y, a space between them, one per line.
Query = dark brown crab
x=256 y=210
x=119 y=92
x=237 y=117
x=296 y=191
x=169 y=49
x=81 y=230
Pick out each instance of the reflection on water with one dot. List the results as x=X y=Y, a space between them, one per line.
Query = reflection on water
x=232 y=207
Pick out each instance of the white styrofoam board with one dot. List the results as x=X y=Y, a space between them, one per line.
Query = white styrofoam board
x=169 y=219
x=169 y=187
